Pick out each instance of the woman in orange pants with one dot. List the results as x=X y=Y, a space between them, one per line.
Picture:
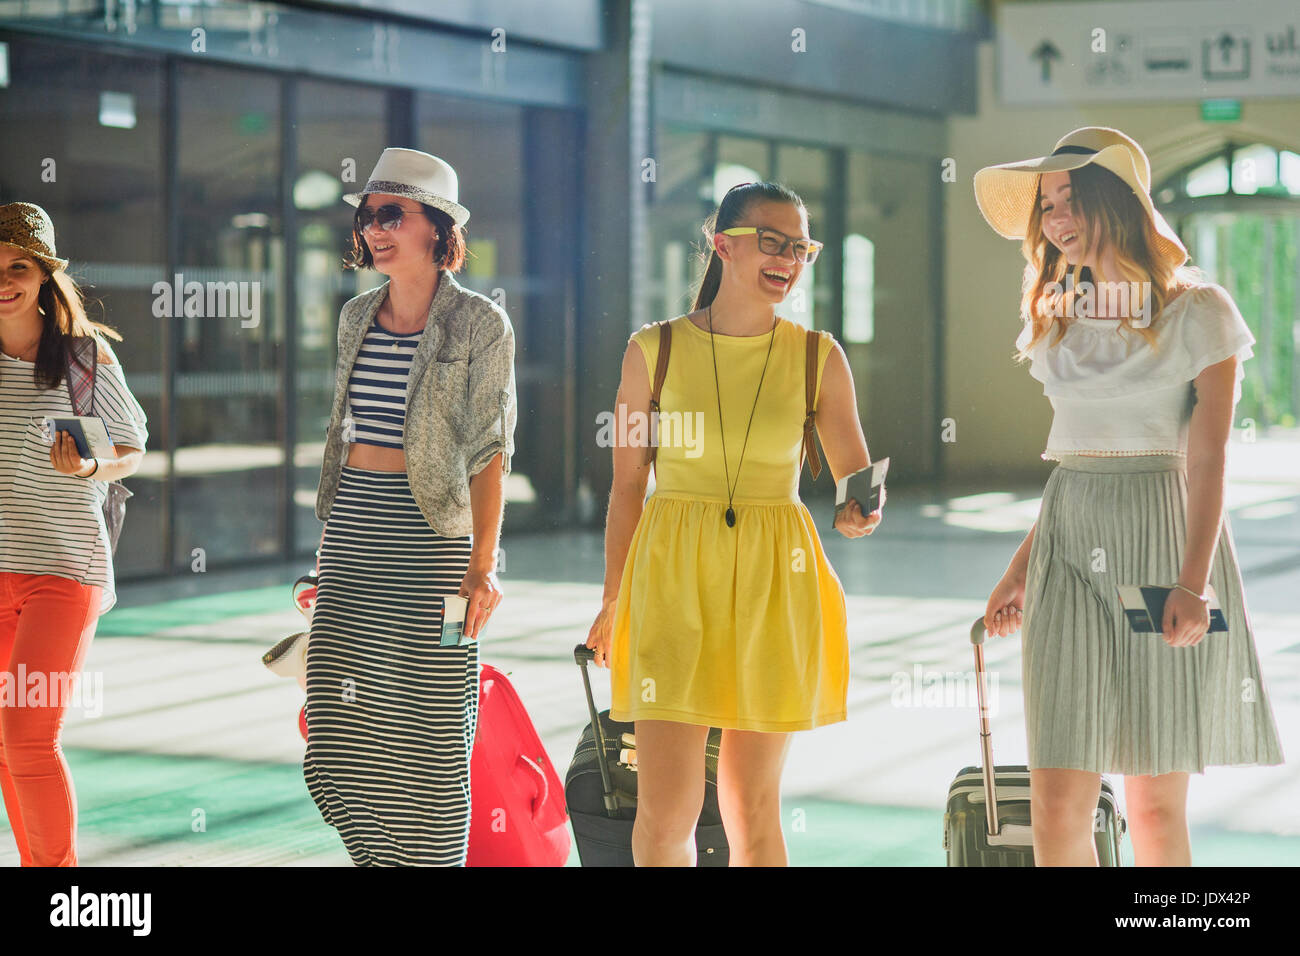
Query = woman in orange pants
x=46 y=623
x=56 y=565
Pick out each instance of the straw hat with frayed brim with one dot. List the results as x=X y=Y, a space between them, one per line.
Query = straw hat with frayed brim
x=418 y=176
x=27 y=227
x=1006 y=193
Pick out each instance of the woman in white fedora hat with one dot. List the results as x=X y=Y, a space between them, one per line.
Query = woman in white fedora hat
x=411 y=493
x=1141 y=360
x=56 y=547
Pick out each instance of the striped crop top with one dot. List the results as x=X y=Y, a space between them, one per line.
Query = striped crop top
x=377 y=387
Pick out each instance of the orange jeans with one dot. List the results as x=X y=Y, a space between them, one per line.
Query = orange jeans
x=46 y=625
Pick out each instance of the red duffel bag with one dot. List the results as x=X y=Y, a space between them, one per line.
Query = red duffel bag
x=517 y=815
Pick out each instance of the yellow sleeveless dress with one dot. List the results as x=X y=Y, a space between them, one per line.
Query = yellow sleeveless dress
x=737 y=627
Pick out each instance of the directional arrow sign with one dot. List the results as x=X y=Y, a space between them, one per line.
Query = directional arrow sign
x=1045 y=54
x=1048 y=52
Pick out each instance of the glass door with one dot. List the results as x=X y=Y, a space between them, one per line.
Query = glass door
x=340 y=133
x=228 y=317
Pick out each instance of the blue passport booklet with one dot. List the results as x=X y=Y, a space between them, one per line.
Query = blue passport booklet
x=1144 y=606
x=88 y=431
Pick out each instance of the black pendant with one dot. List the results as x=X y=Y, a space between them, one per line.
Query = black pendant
x=731 y=518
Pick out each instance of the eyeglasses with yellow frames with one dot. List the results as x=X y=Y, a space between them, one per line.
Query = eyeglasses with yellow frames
x=771 y=242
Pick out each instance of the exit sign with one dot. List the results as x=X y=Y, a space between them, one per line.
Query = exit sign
x=1221 y=111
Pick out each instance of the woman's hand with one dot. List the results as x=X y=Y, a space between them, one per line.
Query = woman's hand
x=602 y=632
x=484 y=594
x=1004 y=612
x=852 y=523
x=67 y=460
x=1187 y=618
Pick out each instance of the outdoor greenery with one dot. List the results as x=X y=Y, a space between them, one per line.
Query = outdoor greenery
x=1257 y=263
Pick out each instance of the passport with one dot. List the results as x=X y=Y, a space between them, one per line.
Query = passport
x=1144 y=606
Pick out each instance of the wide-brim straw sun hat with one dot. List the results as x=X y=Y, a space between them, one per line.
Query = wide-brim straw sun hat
x=1006 y=193
x=26 y=226
x=418 y=176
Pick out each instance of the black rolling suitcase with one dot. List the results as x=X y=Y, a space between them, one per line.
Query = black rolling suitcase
x=600 y=789
x=987 y=820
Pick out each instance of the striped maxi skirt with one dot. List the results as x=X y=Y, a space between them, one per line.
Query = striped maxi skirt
x=1101 y=697
x=390 y=713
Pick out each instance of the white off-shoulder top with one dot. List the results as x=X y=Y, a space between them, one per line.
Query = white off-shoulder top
x=1112 y=394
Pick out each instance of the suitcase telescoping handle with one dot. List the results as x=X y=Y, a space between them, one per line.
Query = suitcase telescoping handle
x=977 y=635
x=584 y=655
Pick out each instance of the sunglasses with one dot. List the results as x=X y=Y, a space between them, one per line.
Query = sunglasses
x=388 y=216
x=773 y=243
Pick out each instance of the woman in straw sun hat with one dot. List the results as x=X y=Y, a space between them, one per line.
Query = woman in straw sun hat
x=1141 y=360
x=56 y=555
x=411 y=493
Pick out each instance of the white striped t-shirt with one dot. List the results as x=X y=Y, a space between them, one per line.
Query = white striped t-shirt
x=377 y=386
x=52 y=523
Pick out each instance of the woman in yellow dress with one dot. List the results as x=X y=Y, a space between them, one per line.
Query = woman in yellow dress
x=720 y=608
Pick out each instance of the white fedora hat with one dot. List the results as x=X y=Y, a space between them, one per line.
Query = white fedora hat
x=418 y=176
x=1006 y=193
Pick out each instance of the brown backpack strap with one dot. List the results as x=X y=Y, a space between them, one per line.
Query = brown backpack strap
x=810 y=388
x=661 y=370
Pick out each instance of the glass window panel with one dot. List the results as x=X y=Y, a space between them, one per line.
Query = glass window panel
x=340 y=134
x=1254 y=168
x=806 y=170
x=683 y=199
x=103 y=187
x=229 y=384
x=739 y=160
x=1289 y=172
x=1208 y=179
x=859 y=289
x=521 y=239
x=889 y=219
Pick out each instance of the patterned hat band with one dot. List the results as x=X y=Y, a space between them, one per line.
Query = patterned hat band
x=27 y=227
x=452 y=209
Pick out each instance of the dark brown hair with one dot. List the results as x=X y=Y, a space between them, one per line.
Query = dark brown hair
x=63 y=304
x=448 y=253
x=734 y=207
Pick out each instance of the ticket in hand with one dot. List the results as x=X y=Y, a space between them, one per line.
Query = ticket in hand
x=862 y=486
x=453 y=622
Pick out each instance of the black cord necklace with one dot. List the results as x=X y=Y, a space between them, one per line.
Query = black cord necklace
x=731 y=489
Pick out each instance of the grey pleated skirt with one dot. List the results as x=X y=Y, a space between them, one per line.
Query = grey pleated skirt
x=1099 y=696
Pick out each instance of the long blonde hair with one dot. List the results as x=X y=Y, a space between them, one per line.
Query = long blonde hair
x=1112 y=217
